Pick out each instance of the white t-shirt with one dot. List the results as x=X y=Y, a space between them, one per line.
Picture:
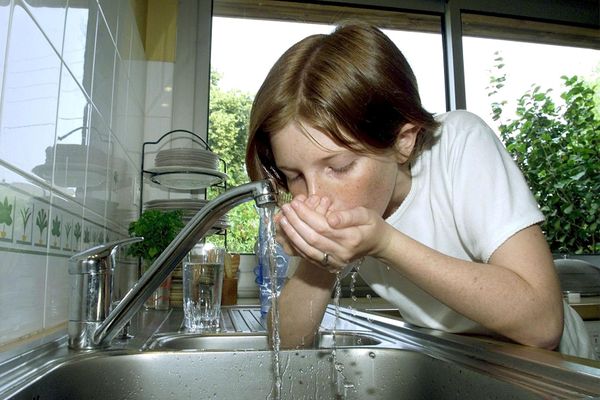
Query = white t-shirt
x=467 y=197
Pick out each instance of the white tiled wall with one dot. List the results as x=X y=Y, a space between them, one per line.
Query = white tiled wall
x=64 y=67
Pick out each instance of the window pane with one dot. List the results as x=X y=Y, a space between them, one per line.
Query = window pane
x=550 y=125
x=243 y=51
x=526 y=64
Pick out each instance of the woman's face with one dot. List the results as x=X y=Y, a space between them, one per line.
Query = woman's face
x=319 y=166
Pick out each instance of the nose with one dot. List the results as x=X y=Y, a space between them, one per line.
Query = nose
x=314 y=185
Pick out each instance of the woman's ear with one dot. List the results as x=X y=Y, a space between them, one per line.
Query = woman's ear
x=405 y=142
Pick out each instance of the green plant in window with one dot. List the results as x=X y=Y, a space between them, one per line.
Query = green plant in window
x=227 y=136
x=41 y=221
x=86 y=236
x=558 y=149
x=5 y=215
x=25 y=215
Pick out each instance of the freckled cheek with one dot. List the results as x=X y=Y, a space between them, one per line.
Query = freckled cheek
x=355 y=194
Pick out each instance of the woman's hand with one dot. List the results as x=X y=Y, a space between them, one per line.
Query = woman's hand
x=332 y=239
x=315 y=204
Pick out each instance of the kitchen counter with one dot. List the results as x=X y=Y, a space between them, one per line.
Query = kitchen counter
x=588 y=308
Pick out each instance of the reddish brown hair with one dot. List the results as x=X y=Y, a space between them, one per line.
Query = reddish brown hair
x=353 y=84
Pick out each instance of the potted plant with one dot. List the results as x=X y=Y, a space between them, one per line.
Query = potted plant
x=158 y=228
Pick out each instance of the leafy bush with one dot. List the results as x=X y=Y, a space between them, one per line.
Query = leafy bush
x=158 y=228
x=558 y=149
x=227 y=137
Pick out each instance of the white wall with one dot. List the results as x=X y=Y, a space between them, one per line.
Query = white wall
x=63 y=68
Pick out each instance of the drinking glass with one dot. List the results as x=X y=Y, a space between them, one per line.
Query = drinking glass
x=202 y=287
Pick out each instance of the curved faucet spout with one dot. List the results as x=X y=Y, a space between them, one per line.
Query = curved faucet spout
x=263 y=192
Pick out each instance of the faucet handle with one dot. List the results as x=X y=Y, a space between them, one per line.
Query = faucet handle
x=98 y=258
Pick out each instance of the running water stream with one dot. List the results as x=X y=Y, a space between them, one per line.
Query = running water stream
x=268 y=247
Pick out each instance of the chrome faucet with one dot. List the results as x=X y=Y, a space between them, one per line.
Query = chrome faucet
x=97 y=334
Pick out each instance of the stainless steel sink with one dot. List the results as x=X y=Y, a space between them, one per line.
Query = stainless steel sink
x=306 y=374
x=258 y=341
x=375 y=358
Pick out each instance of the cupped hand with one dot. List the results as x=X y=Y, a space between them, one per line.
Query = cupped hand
x=314 y=203
x=332 y=239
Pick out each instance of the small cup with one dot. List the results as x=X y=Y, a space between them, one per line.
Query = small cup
x=202 y=287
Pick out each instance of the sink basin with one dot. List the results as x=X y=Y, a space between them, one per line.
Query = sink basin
x=366 y=374
x=375 y=358
x=258 y=341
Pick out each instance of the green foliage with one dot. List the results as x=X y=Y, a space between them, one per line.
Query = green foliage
x=6 y=212
x=558 y=149
x=158 y=228
x=227 y=137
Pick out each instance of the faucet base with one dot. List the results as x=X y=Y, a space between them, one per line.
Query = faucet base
x=81 y=335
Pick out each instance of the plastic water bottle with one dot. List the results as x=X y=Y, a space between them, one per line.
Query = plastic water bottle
x=262 y=272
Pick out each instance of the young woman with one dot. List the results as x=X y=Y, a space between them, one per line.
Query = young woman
x=443 y=218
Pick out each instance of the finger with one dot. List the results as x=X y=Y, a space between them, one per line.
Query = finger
x=312 y=201
x=277 y=217
x=297 y=241
x=323 y=206
x=310 y=216
x=308 y=239
x=302 y=198
x=344 y=219
x=312 y=227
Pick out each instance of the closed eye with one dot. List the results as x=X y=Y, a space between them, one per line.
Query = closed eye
x=344 y=168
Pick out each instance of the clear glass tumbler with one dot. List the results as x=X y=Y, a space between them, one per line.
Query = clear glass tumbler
x=203 y=272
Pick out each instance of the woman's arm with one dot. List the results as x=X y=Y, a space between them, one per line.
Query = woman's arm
x=302 y=304
x=516 y=294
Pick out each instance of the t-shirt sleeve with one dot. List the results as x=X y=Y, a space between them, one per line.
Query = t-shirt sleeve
x=491 y=199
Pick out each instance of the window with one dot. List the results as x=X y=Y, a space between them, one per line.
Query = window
x=556 y=149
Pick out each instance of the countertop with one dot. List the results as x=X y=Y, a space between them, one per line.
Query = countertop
x=587 y=307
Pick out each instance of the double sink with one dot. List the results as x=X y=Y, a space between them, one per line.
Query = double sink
x=375 y=357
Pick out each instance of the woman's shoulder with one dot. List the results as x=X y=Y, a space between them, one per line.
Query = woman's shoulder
x=460 y=119
x=463 y=126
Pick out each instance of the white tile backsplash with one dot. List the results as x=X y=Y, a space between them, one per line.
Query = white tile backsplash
x=57 y=292
x=79 y=41
x=65 y=70
x=104 y=71
x=22 y=294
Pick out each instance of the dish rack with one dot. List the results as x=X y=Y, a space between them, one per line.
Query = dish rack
x=183 y=170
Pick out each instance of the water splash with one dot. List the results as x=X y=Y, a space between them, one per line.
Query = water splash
x=266 y=215
x=342 y=385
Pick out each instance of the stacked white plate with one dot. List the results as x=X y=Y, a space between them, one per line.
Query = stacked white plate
x=189 y=208
x=186 y=169
x=191 y=157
